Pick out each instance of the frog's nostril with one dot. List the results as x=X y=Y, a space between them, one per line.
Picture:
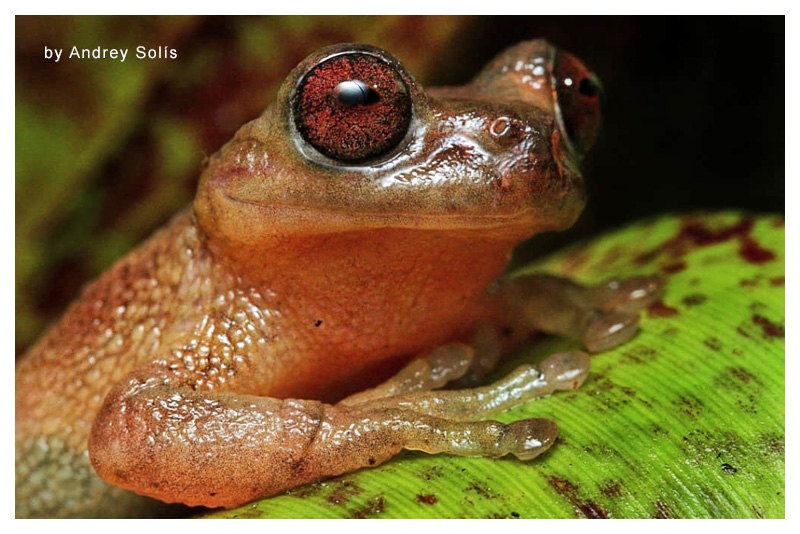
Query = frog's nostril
x=500 y=127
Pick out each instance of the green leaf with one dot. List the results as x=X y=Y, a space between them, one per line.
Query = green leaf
x=686 y=420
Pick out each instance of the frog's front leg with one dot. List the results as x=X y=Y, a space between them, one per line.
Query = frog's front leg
x=169 y=441
x=600 y=317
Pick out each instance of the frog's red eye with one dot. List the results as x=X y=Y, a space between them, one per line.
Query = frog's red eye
x=578 y=98
x=353 y=107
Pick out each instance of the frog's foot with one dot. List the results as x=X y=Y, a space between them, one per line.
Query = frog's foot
x=170 y=441
x=453 y=410
x=601 y=316
x=445 y=421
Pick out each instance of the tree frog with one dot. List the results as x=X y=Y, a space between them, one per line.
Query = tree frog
x=342 y=262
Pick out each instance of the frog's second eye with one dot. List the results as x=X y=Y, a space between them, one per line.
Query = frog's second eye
x=578 y=97
x=353 y=107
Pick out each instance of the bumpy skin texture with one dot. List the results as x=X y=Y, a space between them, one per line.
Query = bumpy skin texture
x=297 y=277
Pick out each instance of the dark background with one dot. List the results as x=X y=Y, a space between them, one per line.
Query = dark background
x=693 y=111
x=106 y=152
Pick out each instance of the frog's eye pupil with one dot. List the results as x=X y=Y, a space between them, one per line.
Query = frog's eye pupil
x=355 y=93
x=588 y=88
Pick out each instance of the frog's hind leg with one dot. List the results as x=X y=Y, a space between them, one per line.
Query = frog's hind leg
x=601 y=316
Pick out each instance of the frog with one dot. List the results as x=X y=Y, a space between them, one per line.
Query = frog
x=336 y=293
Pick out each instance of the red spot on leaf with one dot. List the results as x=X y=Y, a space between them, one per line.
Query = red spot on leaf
x=659 y=309
x=673 y=268
x=695 y=233
x=427 y=499
x=769 y=328
x=752 y=252
x=569 y=491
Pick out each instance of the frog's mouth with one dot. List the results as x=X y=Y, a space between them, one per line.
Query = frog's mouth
x=289 y=218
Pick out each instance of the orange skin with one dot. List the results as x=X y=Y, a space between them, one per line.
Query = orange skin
x=294 y=277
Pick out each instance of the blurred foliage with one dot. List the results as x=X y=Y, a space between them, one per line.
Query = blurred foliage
x=106 y=150
x=686 y=420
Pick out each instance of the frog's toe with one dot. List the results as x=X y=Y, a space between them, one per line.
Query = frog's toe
x=610 y=329
x=442 y=365
x=566 y=370
x=630 y=294
x=528 y=438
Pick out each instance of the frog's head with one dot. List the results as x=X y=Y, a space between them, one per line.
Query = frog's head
x=354 y=142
